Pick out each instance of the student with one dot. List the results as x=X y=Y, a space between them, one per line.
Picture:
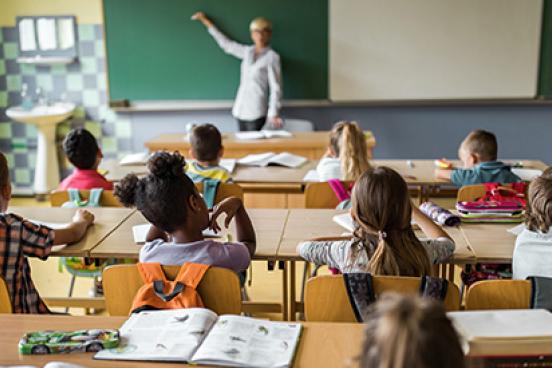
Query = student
x=169 y=200
x=533 y=251
x=383 y=242
x=410 y=332
x=207 y=150
x=478 y=153
x=83 y=152
x=347 y=155
x=20 y=239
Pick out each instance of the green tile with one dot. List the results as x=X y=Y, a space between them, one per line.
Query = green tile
x=10 y=50
x=94 y=127
x=86 y=32
x=31 y=160
x=58 y=69
x=9 y=156
x=75 y=82
x=31 y=131
x=45 y=82
x=28 y=69
x=22 y=176
x=89 y=65
x=19 y=145
x=123 y=129
x=5 y=128
x=3 y=99
x=90 y=98
x=2 y=67
x=109 y=144
x=13 y=82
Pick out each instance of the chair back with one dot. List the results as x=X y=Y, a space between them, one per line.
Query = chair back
x=326 y=298
x=5 y=300
x=219 y=289
x=499 y=294
x=107 y=199
x=470 y=193
x=224 y=190
x=321 y=195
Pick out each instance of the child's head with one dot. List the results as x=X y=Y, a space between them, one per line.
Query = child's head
x=206 y=142
x=479 y=146
x=406 y=331
x=166 y=196
x=82 y=150
x=539 y=203
x=5 y=185
x=382 y=210
x=348 y=143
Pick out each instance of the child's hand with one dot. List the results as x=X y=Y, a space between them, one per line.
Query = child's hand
x=229 y=206
x=83 y=216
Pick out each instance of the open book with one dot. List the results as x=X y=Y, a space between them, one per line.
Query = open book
x=263 y=134
x=140 y=232
x=140 y=158
x=273 y=159
x=229 y=164
x=197 y=336
x=520 y=332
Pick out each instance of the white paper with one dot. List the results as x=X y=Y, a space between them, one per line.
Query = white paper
x=516 y=230
x=265 y=159
x=277 y=134
x=258 y=159
x=140 y=233
x=66 y=33
x=526 y=174
x=312 y=176
x=140 y=158
x=47 y=39
x=229 y=164
x=263 y=134
x=27 y=37
x=345 y=220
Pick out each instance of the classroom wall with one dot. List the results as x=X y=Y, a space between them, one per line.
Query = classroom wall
x=401 y=132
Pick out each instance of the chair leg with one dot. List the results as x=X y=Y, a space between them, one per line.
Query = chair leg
x=71 y=287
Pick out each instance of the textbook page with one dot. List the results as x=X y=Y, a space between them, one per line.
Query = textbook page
x=140 y=233
x=140 y=158
x=345 y=220
x=168 y=335
x=287 y=159
x=229 y=164
x=257 y=159
x=246 y=342
x=263 y=134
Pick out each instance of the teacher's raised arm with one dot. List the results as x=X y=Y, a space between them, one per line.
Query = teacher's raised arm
x=260 y=92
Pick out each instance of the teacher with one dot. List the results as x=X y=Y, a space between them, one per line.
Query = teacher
x=260 y=92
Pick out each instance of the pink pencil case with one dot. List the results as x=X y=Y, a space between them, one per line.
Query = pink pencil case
x=489 y=206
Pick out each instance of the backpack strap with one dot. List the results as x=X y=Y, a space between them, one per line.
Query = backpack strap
x=159 y=286
x=95 y=195
x=433 y=288
x=360 y=290
x=151 y=272
x=190 y=274
x=339 y=189
x=541 y=292
x=210 y=188
x=74 y=197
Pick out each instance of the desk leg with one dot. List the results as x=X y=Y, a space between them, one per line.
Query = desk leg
x=285 y=303
x=292 y=292
x=451 y=272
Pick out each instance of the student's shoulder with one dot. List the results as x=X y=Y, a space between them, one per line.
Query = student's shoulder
x=461 y=176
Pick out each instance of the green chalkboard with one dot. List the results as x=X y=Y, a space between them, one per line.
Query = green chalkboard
x=155 y=52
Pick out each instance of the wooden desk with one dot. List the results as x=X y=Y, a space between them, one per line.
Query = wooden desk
x=321 y=344
x=107 y=219
x=491 y=243
x=309 y=144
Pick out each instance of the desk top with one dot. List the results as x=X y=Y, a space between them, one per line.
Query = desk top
x=268 y=224
x=106 y=221
x=319 y=139
x=341 y=339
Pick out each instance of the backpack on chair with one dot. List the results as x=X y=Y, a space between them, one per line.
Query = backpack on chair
x=343 y=194
x=160 y=293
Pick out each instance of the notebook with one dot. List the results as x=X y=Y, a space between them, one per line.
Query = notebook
x=198 y=336
x=229 y=164
x=140 y=232
x=526 y=174
x=263 y=134
x=273 y=159
x=504 y=332
x=140 y=158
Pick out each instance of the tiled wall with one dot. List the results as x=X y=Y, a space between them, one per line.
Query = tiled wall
x=83 y=82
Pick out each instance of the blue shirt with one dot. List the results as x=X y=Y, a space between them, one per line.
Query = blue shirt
x=485 y=172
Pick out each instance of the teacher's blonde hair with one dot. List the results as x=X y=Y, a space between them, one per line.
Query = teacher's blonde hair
x=259 y=24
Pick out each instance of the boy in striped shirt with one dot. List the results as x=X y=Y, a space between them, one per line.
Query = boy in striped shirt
x=20 y=238
x=206 y=150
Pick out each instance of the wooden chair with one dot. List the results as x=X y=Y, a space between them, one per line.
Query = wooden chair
x=219 y=288
x=326 y=297
x=473 y=192
x=499 y=294
x=321 y=195
x=224 y=191
x=59 y=197
x=5 y=300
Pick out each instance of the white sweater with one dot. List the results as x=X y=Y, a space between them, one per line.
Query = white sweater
x=532 y=254
x=329 y=168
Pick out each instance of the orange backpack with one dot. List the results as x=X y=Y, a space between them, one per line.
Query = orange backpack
x=160 y=293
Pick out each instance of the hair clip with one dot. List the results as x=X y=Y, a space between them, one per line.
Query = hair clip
x=382 y=235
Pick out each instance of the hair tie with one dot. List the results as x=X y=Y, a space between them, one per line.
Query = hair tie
x=381 y=235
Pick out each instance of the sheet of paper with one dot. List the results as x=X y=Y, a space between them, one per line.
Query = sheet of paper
x=27 y=37
x=526 y=174
x=345 y=220
x=312 y=176
x=46 y=30
x=258 y=159
x=277 y=133
x=229 y=164
x=287 y=159
x=249 y=135
x=140 y=158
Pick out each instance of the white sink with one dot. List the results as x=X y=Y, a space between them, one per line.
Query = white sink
x=42 y=114
x=45 y=118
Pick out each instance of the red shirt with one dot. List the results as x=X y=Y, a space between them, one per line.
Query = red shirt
x=85 y=179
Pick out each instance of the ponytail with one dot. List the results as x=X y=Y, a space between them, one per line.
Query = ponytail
x=126 y=190
x=383 y=261
x=353 y=152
